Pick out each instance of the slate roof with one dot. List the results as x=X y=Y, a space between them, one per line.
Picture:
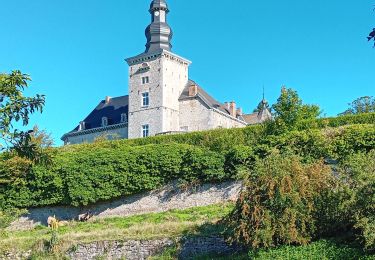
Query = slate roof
x=209 y=100
x=112 y=110
x=251 y=118
x=257 y=117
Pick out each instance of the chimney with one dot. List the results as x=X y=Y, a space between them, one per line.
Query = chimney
x=239 y=111
x=107 y=99
x=232 y=108
x=193 y=90
x=227 y=106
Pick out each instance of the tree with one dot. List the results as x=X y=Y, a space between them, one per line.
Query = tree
x=16 y=108
x=361 y=105
x=289 y=110
x=372 y=36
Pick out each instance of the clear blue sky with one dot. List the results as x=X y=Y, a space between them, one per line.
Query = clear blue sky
x=75 y=49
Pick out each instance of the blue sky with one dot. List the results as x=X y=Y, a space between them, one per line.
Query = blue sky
x=74 y=50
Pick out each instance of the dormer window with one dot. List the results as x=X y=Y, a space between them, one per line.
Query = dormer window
x=82 y=126
x=104 y=121
x=124 y=118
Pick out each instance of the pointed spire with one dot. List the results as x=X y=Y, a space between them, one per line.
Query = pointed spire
x=263 y=93
x=158 y=33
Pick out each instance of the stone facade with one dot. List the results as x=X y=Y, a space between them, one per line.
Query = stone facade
x=196 y=116
x=167 y=76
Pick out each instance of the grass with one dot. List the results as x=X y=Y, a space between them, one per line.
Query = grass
x=319 y=250
x=149 y=226
x=199 y=221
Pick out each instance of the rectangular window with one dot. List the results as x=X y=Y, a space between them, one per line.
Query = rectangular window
x=145 y=99
x=145 y=80
x=145 y=130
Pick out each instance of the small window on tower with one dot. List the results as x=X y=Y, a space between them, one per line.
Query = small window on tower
x=145 y=99
x=145 y=130
x=145 y=80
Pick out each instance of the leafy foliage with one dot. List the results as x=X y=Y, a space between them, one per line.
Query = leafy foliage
x=361 y=105
x=322 y=249
x=84 y=174
x=15 y=107
x=91 y=175
x=278 y=203
x=8 y=216
x=350 y=119
x=359 y=176
x=371 y=36
x=289 y=111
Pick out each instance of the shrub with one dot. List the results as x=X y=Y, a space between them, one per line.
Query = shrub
x=278 y=202
x=359 y=176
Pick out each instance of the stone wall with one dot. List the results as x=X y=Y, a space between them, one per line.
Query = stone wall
x=168 y=198
x=188 y=248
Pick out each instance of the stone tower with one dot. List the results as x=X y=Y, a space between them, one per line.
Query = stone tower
x=157 y=78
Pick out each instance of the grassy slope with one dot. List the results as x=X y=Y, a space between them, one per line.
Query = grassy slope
x=160 y=225
x=199 y=221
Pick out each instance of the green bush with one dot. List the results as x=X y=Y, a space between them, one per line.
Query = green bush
x=345 y=141
x=359 y=177
x=278 y=202
x=92 y=175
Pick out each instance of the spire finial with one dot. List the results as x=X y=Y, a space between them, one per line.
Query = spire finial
x=263 y=93
x=158 y=33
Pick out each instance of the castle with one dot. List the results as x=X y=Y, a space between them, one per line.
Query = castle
x=162 y=99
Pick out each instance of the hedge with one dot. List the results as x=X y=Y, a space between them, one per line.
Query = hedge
x=85 y=174
x=220 y=140
x=89 y=176
x=366 y=118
